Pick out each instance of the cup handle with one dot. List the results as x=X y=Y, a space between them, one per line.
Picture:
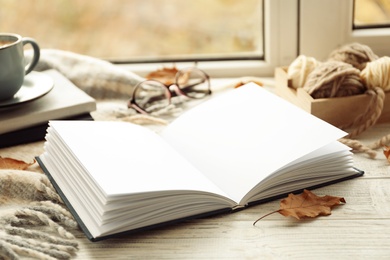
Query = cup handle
x=35 y=58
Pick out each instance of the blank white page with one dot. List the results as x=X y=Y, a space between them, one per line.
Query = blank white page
x=239 y=138
x=125 y=158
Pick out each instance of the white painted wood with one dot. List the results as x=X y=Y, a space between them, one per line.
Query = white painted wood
x=326 y=25
x=321 y=27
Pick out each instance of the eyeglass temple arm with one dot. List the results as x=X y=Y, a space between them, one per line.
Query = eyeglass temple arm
x=193 y=85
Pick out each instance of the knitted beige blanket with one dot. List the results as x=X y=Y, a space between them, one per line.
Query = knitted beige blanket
x=34 y=222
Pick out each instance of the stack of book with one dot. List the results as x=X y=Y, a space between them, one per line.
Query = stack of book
x=44 y=96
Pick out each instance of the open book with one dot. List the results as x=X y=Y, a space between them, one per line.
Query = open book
x=242 y=147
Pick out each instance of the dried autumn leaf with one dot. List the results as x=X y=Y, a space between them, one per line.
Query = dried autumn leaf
x=386 y=152
x=165 y=75
x=246 y=80
x=13 y=164
x=306 y=204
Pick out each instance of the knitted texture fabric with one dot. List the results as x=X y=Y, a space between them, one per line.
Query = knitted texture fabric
x=98 y=78
x=34 y=222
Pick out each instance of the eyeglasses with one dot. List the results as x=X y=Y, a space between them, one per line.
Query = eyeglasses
x=152 y=95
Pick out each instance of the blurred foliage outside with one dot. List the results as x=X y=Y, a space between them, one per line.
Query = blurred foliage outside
x=126 y=29
x=153 y=29
x=372 y=12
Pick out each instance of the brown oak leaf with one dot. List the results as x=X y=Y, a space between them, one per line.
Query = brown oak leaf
x=306 y=205
x=386 y=152
x=165 y=75
x=13 y=164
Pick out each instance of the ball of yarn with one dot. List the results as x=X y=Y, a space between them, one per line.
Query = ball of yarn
x=356 y=54
x=299 y=69
x=377 y=74
x=334 y=79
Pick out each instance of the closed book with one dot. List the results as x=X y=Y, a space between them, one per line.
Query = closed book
x=22 y=122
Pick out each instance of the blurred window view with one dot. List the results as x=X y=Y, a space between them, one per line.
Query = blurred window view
x=141 y=30
x=371 y=13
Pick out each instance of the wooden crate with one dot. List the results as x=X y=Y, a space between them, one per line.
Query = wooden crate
x=336 y=111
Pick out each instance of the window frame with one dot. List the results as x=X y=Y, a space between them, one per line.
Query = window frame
x=280 y=46
x=336 y=30
x=291 y=28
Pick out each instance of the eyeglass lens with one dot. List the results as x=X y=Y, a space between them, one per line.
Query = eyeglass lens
x=193 y=83
x=152 y=95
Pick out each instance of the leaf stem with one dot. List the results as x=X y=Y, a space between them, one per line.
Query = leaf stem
x=266 y=215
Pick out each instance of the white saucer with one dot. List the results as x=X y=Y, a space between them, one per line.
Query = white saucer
x=35 y=85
